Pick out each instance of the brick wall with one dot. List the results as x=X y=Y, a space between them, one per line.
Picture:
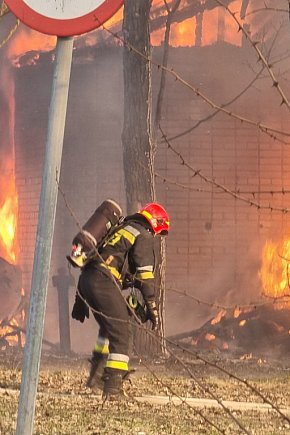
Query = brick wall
x=214 y=248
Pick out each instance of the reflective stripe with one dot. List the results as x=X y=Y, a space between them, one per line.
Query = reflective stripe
x=118 y=357
x=113 y=270
x=117 y=365
x=129 y=233
x=146 y=214
x=149 y=268
x=102 y=345
x=104 y=349
x=117 y=361
x=132 y=230
x=102 y=340
x=145 y=275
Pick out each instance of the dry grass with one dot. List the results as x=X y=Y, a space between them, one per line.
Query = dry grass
x=65 y=406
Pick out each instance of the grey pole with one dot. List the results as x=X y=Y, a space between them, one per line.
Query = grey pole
x=44 y=236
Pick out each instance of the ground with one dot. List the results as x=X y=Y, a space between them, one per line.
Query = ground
x=65 y=406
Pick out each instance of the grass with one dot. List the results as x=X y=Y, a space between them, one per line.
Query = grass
x=65 y=406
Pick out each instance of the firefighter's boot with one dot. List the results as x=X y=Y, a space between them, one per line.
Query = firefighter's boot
x=98 y=362
x=113 y=384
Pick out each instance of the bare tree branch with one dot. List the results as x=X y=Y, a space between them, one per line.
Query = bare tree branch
x=3 y=9
x=270 y=131
x=261 y=56
x=10 y=34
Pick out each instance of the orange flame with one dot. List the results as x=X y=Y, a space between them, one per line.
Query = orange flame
x=209 y=337
x=275 y=269
x=237 y=312
x=218 y=317
x=11 y=335
x=8 y=214
x=26 y=40
x=8 y=217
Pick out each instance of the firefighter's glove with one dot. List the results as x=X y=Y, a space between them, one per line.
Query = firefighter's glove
x=80 y=309
x=152 y=313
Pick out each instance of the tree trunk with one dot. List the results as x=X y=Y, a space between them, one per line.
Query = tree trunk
x=136 y=136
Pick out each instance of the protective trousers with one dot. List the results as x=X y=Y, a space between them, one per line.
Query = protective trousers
x=102 y=295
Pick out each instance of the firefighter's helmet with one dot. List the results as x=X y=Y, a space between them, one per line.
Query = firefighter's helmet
x=157 y=216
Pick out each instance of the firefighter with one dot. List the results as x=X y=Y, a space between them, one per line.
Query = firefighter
x=128 y=250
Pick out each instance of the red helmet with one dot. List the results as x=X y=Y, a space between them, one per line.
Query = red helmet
x=157 y=216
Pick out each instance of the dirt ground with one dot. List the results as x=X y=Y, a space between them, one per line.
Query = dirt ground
x=65 y=406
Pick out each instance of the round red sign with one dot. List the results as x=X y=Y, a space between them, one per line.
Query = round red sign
x=64 y=17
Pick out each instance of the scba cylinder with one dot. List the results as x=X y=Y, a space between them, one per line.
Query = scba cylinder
x=93 y=233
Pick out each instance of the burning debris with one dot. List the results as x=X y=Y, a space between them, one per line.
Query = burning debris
x=12 y=309
x=10 y=288
x=262 y=330
x=256 y=330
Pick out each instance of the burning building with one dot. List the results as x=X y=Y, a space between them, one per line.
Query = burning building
x=215 y=248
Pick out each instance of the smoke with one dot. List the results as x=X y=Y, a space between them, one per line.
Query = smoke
x=226 y=281
x=7 y=124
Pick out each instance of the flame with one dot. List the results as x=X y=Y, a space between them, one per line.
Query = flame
x=237 y=312
x=11 y=330
x=26 y=40
x=275 y=268
x=11 y=335
x=182 y=34
x=218 y=317
x=8 y=192
x=242 y=322
x=209 y=337
x=8 y=219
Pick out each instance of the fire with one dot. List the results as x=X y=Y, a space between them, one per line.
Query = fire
x=8 y=193
x=8 y=220
x=275 y=269
x=183 y=33
x=237 y=312
x=209 y=337
x=27 y=40
x=11 y=329
x=215 y=24
x=11 y=333
x=218 y=317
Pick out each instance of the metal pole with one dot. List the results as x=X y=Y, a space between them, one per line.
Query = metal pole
x=44 y=236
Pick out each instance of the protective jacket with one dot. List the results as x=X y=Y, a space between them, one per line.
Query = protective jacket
x=130 y=249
